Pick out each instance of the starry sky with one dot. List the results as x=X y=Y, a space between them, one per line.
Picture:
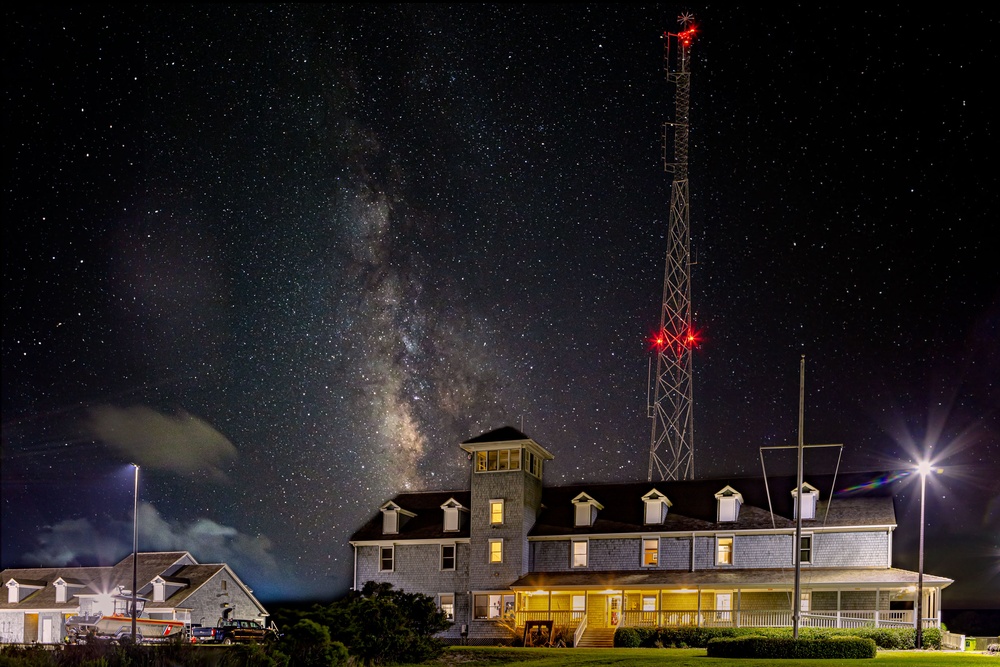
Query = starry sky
x=287 y=257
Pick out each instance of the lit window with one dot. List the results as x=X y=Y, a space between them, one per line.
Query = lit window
x=496 y=512
x=497 y=606
x=650 y=551
x=649 y=603
x=579 y=602
x=498 y=459
x=579 y=553
x=496 y=551
x=385 y=561
x=806 y=549
x=724 y=551
x=448 y=605
x=447 y=556
x=804 y=602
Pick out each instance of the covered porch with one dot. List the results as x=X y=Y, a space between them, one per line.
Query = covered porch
x=758 y=598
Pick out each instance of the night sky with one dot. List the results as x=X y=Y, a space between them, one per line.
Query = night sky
x=287 y=257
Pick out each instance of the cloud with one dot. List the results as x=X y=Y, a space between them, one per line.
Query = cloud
x=180 y=443
x=79 y=541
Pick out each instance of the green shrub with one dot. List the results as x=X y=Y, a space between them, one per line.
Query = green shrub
x=627 y=638
x=799 y=649
x=932 y=638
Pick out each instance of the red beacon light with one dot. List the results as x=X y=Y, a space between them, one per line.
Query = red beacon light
x=663 y=340
x=686 y=38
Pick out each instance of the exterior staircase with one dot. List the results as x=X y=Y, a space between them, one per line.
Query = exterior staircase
x=597 y=638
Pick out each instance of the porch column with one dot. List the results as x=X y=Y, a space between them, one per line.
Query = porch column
x=698 y=593
x=877 y=606
x=739 y=598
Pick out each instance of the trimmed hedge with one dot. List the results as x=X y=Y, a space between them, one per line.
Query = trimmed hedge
x=694 y=637
x=854 y=648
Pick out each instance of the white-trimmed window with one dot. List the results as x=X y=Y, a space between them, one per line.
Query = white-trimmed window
x=649 y=603
x=804 y=601
x=655 y=506
x=724 y=550
x=496 y=550
x=446 y=602
x=533 y=464
x=578 y=602
x=448 y=556
x=498 y=459
x=496 y=512
x=650 y=551
x=806 y=549
x=452 y=515
x=578 y=551
x=493 y=606
x=386 y=559
x=585 y=510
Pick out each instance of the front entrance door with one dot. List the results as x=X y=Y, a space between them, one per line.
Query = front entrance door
x=46 y=637
x=614 y=610
x=723 y=605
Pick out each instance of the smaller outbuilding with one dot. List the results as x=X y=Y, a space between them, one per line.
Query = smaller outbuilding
x=176 y=588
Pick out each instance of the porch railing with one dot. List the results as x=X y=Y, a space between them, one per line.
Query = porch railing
x=580 y=629
x=569 y=619
x=771 y=619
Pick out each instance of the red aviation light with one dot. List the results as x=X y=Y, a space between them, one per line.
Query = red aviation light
x=687 y=341
x=686 y=38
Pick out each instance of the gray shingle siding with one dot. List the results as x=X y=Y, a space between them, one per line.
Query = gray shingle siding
x=762 y=551
x=416 y=568
x=675 y=553
x=863 y=549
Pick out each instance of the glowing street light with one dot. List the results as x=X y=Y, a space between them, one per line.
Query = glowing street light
x=923 y=469
x=135 y=547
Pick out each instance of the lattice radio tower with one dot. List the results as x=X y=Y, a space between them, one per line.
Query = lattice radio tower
x=671 y=442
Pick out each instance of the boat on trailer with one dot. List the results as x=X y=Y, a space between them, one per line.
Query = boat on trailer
x=117 y=625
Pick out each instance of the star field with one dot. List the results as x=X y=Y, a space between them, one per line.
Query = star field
x=287 y=257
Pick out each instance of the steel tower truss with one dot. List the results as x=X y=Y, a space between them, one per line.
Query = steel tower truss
x=671 y=443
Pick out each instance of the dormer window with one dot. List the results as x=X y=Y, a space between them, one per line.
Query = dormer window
x=18 y=590
x=393 y=518
x=729 y=501
x=65 y=588
x=453 y=518
x=585 y=510
x=655 y=506
x=164 y=587
x=810 y=498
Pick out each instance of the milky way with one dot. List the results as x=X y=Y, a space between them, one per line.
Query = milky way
x=287 y=257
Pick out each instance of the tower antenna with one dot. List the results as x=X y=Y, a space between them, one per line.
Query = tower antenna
x=671 y=441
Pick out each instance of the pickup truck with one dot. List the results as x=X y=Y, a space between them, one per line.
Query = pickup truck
x=231 y=631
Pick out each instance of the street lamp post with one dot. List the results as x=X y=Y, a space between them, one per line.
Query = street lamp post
x=923 y=469
x=135 y=547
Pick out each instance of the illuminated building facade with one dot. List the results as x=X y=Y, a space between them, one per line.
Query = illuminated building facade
x=590 y=558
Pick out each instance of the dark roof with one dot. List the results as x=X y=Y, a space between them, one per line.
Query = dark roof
x=762 y=578
x=428 y=522
x=694 y=506
x=107 y=579
x=502 y=434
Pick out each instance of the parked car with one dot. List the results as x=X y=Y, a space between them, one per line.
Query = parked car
x=232 y=631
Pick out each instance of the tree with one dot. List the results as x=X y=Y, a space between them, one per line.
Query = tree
x=387 y=626
x=308 y=644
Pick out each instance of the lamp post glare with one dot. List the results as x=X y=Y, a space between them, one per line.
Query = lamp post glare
x=923 y=469
x=135 y=548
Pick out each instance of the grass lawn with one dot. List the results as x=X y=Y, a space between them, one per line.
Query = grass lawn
x=686 y=657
